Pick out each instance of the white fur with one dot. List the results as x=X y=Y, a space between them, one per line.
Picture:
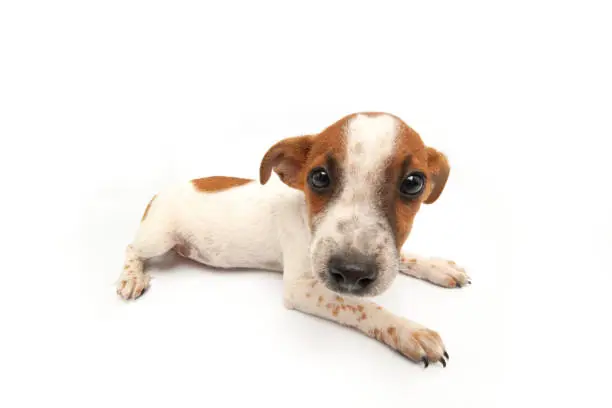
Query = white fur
x=266 y=226
x=230 y=228
x=439 y=271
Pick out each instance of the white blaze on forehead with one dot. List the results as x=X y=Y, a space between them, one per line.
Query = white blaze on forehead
x=370 y=143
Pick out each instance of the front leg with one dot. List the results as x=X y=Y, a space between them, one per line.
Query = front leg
x=409 y=338
x=437 y=271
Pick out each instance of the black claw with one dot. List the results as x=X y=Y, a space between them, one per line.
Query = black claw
x=469 y=282
x=425 y=361
x=458 y=284
x=443 y=362
x=446 y=355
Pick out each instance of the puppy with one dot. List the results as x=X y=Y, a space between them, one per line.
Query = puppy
x=333 y=220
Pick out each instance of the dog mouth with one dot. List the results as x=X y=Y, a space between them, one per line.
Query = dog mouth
x=365 y=287
x=350 y=290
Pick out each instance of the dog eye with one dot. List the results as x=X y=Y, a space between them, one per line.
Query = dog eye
x=318 y=179
x=413 y=185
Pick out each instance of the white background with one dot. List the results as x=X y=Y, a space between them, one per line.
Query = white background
x=104 y=103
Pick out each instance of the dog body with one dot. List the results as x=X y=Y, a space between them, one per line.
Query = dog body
x=333 y=222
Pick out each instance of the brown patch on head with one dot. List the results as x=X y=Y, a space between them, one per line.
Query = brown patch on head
x=287 y=158
x=147 y=209
x=439 y=170
x=316 y=201
x=218 y=183
x=294 y=158
x=411 y=155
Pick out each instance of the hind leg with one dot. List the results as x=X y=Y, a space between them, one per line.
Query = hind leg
x=154 y=237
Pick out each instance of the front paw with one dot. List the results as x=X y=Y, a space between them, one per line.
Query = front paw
x=132 y=285
x=438 y=271
x=417 y=343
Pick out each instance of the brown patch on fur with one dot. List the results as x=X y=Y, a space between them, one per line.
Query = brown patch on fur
x=410 y=348
x=340 y=299
x=147 y=209
x=218 y=183
x=360 y=308
x=378 y=335
x=393 y=334
x=308 y=295
x=412 y=260
x=316 y=201
x=411 y=155
x=313 y=284
x=379 y=307
x=452 y=263
x=439 y=170
x=320 y=300
x=287 y=158
x=293 y=159
x=335 y=308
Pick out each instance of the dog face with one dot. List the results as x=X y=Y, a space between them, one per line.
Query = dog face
x=364 y=179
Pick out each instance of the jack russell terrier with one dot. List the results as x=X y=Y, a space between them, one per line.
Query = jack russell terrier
x=333 y=222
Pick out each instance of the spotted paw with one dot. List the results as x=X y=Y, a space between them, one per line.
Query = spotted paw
x=132 y=286
x=427 y=345
x=438 y=271
x=415 y=342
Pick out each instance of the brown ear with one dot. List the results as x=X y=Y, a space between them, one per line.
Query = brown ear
x=287 y=159
x=439 y=170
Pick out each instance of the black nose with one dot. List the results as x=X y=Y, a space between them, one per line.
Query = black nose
x=352 y=276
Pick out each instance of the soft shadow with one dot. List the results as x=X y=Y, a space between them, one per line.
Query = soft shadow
x=172 y=262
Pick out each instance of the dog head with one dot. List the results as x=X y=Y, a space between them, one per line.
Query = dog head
x=364 y=179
